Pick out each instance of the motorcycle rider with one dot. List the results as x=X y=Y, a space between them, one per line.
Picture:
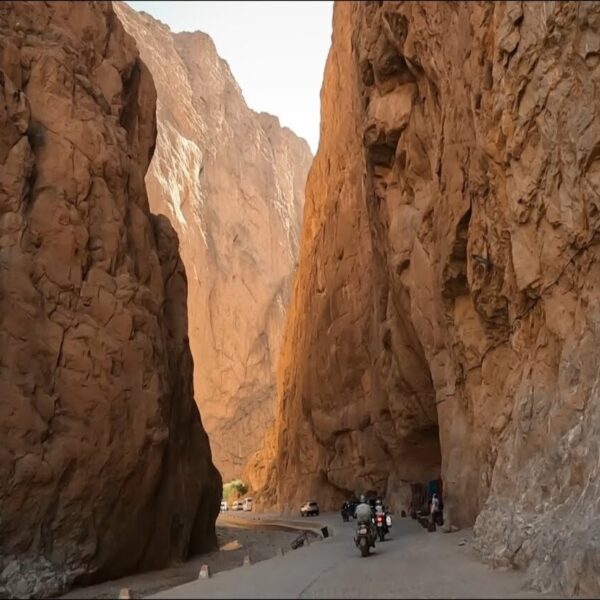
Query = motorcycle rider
x=364 y=515
x=380 y=509
x=346 y=513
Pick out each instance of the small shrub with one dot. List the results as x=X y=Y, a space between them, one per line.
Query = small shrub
x=235 y=488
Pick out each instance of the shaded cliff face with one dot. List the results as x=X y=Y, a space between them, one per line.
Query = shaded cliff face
x=232 y=183
x=444 y=316
x=104 y=464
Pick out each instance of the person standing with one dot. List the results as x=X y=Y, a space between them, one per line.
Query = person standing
x=434 y=509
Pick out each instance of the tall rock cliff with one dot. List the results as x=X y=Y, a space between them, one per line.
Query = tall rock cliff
x=104 y=464
x=445 y=313
x=232 y=183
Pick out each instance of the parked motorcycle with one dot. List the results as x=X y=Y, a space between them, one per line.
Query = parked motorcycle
x=364 y=539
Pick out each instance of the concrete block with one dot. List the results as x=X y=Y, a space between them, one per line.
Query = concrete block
x=124 y=594
x=247 y=560
x=204 y=572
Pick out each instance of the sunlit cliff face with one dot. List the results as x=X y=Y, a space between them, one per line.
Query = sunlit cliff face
x=443 y=317
x=232 y=183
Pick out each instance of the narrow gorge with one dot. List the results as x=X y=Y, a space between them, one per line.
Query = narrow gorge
x=187 y=297
x=231 y=181
x=444 y=316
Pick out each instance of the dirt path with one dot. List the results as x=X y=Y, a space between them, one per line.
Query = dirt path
x=234 y=542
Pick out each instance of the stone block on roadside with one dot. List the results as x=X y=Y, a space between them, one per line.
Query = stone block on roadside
x=281 y=551
x=204 y=572
x=247 y=560
x=124 y=594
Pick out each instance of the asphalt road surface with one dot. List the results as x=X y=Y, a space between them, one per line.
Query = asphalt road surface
x=412 y=563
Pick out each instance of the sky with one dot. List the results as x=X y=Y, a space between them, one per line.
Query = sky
x=275 y=50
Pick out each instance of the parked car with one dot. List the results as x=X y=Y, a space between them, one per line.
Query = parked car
x=309 y=509
x=224 y=506
x=247 y=505
x=237 y=505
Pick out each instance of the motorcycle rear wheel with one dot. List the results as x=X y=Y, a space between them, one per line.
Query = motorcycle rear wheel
x=364 y=547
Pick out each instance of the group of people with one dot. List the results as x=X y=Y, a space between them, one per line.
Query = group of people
x=364 y=510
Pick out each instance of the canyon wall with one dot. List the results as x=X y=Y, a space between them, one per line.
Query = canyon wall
x=232 y=183
x=445 y=311
x=105 y=467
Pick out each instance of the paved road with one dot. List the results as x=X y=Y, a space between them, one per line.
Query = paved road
x=411 y=564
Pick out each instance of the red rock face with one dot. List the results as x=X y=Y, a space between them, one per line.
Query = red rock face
x=232 y=183
x=444 y=313
x=104 y=465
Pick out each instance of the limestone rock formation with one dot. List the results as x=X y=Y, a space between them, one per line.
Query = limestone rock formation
x=445 y=313
x=104 y=464
x=232 y=183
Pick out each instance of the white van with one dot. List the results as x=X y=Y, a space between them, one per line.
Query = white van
x=248 y=504
x=224 y=505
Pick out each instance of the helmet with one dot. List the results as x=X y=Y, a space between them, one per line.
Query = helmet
x=363 y=498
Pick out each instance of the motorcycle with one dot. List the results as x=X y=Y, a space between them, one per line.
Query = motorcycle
x=364 y=539
x=348 y=510
x=382 y=522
